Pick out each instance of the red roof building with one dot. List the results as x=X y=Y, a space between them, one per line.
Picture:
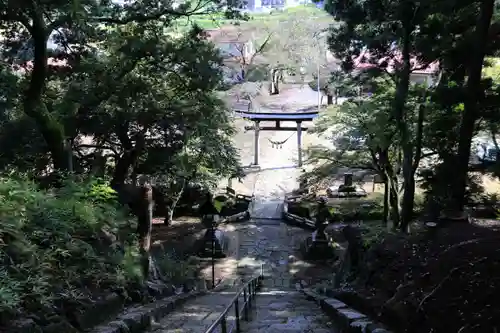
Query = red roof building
x=421 y=73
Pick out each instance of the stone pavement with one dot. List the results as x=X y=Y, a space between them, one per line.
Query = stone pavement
x=264 y=242
x=226 y=268
x=196 y=315
x=279 y=306
x=267 y=242
x=286 y=311
x=271 y=245
x=270 y=188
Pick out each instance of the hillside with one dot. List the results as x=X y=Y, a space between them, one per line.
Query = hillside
x=217 y=20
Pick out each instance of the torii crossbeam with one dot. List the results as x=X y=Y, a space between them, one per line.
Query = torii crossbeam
x=277 y=117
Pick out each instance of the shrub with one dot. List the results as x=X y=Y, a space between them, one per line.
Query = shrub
x=374 y=233
x=62 y=245
x=343 y=211
x=176 y=270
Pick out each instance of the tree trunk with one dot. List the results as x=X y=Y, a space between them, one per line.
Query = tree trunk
x=380 y=165
x=275 y=78
x=128 y=158
x=171 y=208
x=133 y=176
x=412 y=161
x=402 y=89
x=329 y=99
x=471 y=112
x=394 y=200
x=51 y=130
x=387 y=202
x=69 y=154
x=122 y=168
x=243 y=73
x=408 y=190
x=125 y=162
x=170 y=215
x=391 y=179
x=145 y=225
x=98 y=168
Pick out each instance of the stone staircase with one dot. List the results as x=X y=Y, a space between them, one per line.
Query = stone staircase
x=278 y=307
x=196 y=315
x=267 y=241
x=263 y=243
x=285 y=310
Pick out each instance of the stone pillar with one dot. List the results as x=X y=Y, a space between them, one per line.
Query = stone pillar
x=299 y=143
x=348 y=179
x=256 y=144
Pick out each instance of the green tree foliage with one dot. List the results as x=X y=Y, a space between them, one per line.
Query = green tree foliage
x=115 y=95
x=366 y=137
x=397 y=38
x=116 y=79
x=56 y=247
x=385 y=36
x=335 y=84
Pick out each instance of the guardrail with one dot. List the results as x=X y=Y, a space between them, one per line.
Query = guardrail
x=249 y=290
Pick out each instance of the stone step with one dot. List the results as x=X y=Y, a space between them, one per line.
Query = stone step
x=197 y=314
x=281 y=310
x=281 y=283
x=279 y=306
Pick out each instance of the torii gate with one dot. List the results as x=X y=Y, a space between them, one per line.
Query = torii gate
x=277 y=117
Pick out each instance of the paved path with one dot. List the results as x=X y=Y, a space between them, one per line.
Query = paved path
x=271 y=159
x=264 y=242
x=279 y=306
x=269 y=243
x=197 y=314
x=277 y=176
x=273 y=246
x=288 y=311
x=271 y=185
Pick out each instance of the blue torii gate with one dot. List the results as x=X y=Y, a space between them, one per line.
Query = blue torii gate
x=277 y=117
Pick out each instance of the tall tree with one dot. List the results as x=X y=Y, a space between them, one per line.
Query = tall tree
x=298 y=42
x=364 y=138
x=75 y=25
x=473 y=94
x=385 y=36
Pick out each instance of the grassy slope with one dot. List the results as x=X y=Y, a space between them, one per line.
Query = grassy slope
x=215 y=20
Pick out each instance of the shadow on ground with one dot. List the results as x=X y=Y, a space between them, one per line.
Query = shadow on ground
x=257 y=170
x=179 y=242
x=277 y=246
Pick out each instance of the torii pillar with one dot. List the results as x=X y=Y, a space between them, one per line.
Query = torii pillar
x=256 y=143
x=299 y=143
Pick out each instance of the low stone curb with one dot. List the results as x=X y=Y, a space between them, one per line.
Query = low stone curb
x=299 y=221
x=138 y=319
x=240 y=217
x=348 y=319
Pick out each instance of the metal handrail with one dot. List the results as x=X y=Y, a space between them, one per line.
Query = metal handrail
x=249 y=290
